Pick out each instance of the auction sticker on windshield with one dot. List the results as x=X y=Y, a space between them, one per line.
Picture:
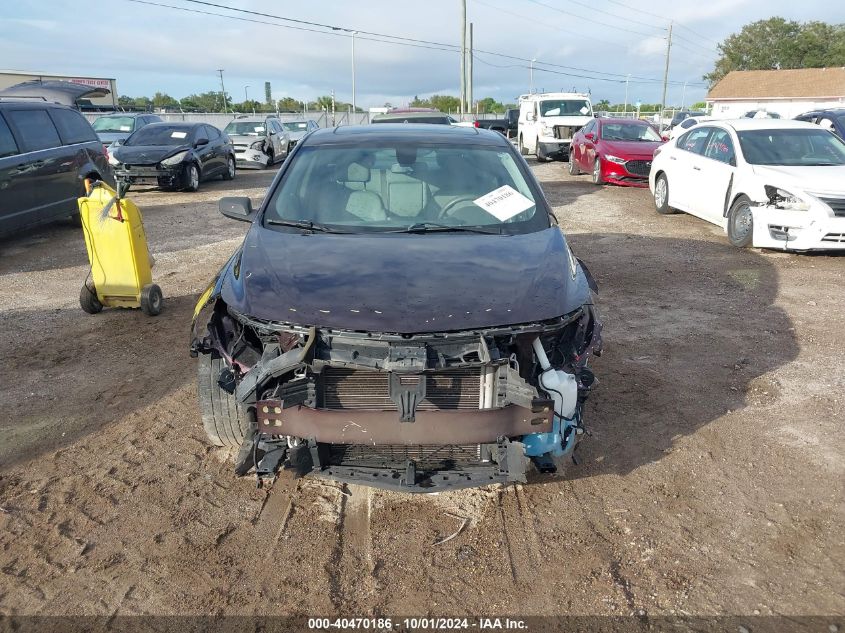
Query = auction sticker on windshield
x=179 y=135
x=504 y=203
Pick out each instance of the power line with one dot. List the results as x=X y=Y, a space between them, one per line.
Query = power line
x=662 y=17
x=592 y=20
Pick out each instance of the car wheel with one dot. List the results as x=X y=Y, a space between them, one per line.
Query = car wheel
x=192 y=177
x=741 y=223
x=271 y=158
x=661 y=195
x=151 y=300
x=598 y=179
x=521 y=146
x=573 y=166
x=88 y=300
x=224 y=422
x=541 y=155
x=229 y=174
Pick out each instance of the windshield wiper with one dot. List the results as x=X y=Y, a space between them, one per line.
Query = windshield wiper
x=434 y=227
x=303 y=224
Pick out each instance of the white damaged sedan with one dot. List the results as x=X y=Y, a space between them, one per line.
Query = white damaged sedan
x=769 y=183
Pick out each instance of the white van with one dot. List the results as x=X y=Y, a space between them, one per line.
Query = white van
x=548 y=121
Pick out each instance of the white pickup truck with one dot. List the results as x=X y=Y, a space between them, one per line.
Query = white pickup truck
x=548 y=121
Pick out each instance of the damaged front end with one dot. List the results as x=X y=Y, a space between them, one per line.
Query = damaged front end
x=414 y=412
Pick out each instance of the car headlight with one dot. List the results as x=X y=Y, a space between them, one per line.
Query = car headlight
x=615 y=159
x=546 y=129
x=573 y=263
x=175 y=159
x=112 y=160
x=259 y=145
x=782 y=199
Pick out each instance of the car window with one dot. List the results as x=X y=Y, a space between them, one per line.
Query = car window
x=589 y=127
x=693 y=141
x=393 y=186
x=36 y=129
x=109 y=124
x=8 y=147
x=720 y=147
x=213 y=133
x=629 y=132
x=200 y=134
x=160 y=135
x=73 y=128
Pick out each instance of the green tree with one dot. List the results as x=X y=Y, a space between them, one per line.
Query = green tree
x=602 y=105
x=489 y=104
x=125 y=101
x=142 y=102
x=204 y=102
x=778 y=43
x=161 y=100
x=289 y=104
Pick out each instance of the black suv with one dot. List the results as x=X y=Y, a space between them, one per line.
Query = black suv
x=46 y=151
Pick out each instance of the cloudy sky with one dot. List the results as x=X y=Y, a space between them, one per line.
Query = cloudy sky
x=593 y=45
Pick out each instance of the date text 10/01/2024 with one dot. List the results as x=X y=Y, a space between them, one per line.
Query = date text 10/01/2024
x=414 y=624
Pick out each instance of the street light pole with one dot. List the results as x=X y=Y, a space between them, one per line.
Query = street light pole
x=531 y=84
x=625 y=108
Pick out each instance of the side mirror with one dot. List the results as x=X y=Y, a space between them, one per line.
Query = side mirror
x=590 y=136
x=529 y=117
x=237 y=209
x=665 y=137
x=201 y=142
x=118 y=142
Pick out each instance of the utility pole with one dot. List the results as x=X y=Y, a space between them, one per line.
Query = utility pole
x=463 y=55
x=469 y=72
x=354 y=109
x=684 y=96
x=246 y=94
x=333 y=117
x=625 y=109
x=222 y=89
x=531 y=76
x=665 y=76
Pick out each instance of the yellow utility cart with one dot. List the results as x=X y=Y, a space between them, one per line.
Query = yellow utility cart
x=121 y=275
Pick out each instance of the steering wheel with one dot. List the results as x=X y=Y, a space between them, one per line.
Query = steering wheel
x=454 y=203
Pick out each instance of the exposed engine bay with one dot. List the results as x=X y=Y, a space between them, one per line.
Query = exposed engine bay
x=417 y=412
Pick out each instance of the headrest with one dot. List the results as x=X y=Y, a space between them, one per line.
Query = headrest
x=356 y=172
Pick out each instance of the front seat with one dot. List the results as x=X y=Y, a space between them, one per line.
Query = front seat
x=407 y=196
x=362 y=203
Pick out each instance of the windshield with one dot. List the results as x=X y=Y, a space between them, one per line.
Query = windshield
x=394 y=187
x=114 y=124
x=566 y=107
x=245 y=128
x=791 y=147
x=160 y=135
x=295 y=126
x=629 y=132
x=441 y=120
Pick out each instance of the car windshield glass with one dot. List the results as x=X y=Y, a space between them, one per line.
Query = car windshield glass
x=566 y=107
x=160 y=135
x=114 y=124
x=357 y=189
x=295 y=126
x=245 y=128
x=799 y=148
x=628 y=132
x=441 y=120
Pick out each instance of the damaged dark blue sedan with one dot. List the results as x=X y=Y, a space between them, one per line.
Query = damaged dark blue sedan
x=404 y=312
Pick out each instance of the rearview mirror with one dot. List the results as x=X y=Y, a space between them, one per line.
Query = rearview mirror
x=201 y=141
x=237 y=209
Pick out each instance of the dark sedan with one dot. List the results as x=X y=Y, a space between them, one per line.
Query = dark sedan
x=832 y=119
x=617 y=151
x=404 y=312
x=175 y=156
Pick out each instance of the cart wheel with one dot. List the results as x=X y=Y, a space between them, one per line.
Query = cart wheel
x=151 y=300
x=88 y=300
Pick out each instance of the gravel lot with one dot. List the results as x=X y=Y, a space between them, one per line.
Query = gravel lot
x=712 y=483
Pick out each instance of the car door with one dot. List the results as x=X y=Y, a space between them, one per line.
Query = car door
x=715 y=177
x=76 y=133
x=579 y=145
x=591 y=140
x=204 y=152
x=218 y=148
x=16 y=191
x=50 y=168
x=683 y=164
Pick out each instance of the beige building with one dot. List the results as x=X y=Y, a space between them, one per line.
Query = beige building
x=786 y=92
x=11 y=77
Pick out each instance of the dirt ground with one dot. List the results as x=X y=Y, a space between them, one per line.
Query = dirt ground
x=712 y=483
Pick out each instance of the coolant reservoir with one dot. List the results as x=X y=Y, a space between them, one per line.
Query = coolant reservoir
x=563 y=388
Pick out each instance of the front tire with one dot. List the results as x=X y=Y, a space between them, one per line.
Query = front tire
x=598 y=179
x=542 y=157
x=271 y=159
x=661 y=195
x=741 y=223
x=573 y=166
x=192 y=177
x=223 y=421
x=521 y=146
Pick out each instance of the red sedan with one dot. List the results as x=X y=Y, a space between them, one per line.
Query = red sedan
x=617 y=151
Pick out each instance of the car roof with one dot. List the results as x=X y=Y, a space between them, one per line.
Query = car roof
x=422 y=133
x=740 y=125
x=622 y=119
x=251 y=119
x=177 y=124
x=31 y=103
x=127 y=114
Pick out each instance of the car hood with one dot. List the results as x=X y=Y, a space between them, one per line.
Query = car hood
x=631 y=149
x=812 y=179
x=297 y=136
x=403 y=283
x=146 y=154
x=111 y=137
x=244 y=139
